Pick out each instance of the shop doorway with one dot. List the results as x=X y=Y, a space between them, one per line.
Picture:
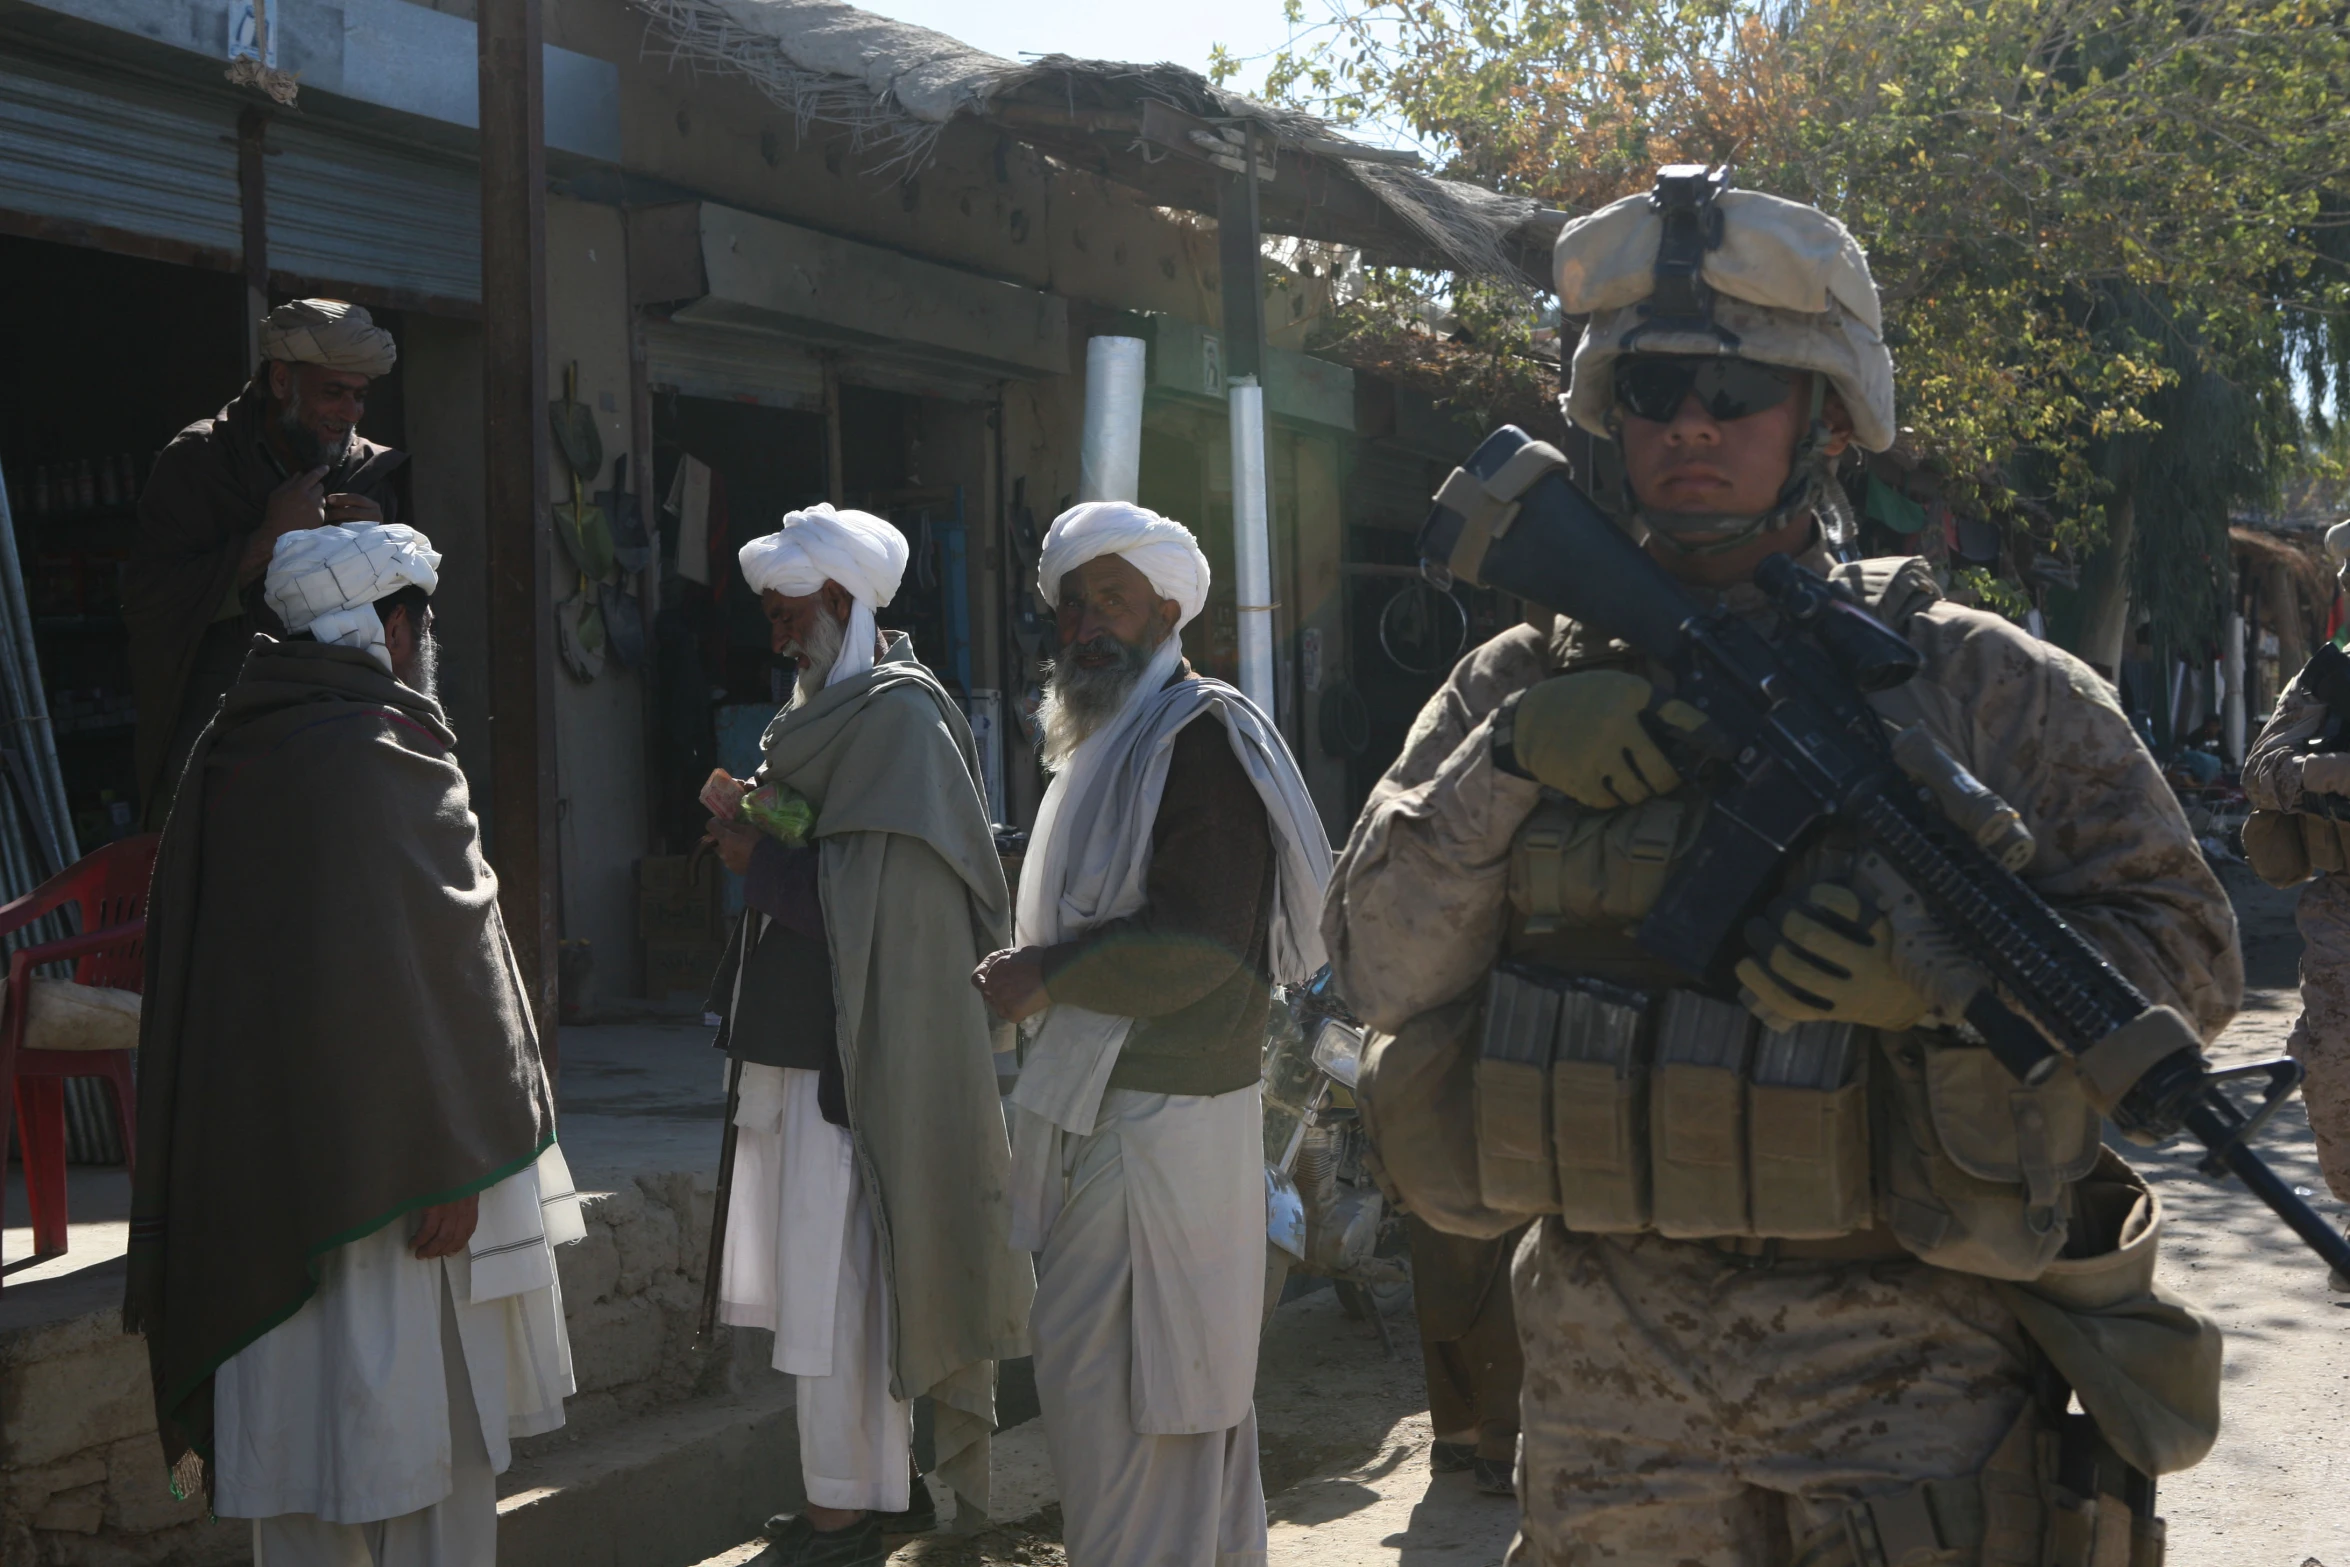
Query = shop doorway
x=111 y=356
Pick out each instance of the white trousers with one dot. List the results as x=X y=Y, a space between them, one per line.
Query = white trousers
x=460 y=1530
x=1145 y=1328
x=803 y=1258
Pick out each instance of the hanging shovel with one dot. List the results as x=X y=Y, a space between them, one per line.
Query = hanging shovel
x=576 y=436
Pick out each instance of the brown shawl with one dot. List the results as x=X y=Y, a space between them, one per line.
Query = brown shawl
x=335 y=1033
x=206 y=496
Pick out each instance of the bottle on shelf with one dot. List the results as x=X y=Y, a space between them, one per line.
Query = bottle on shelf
x=107 y=493
x=85 y=485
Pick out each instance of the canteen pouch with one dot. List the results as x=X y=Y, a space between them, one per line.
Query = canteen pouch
x=1599 y=1108
x=2274 y=845
x=1808 y=1133
x=1697 y=1116
x=1515 y=1171
x=1975 y=1167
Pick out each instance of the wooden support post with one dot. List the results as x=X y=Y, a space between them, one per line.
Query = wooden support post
x=253 y=204
x=1240 y=265
x=514 y=427
x=835 y=486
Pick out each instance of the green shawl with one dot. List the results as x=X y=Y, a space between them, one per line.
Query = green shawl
x=335 y=1032
x=914 y=897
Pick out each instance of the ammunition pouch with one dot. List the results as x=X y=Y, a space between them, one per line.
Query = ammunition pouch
x=1625 y=1110
x=1571 y=866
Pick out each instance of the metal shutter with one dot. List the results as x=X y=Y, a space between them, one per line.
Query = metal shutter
x=733 y=365
x=347 y=210
x=136 y=158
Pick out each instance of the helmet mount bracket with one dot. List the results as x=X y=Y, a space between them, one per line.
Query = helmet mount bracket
x=1686 y=196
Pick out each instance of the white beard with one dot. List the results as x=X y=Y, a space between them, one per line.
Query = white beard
x=1078 y=701
x=822 y=651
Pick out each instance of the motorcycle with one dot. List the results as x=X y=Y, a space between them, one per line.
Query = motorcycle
x=1325 y=1216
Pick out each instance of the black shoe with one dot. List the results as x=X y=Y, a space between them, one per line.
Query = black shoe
x=919 y=1516
x=795 y=1542
x=1495 y=1476
x=1451 y=1458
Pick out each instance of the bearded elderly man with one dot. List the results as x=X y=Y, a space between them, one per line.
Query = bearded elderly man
x=285 y=455
x=1175 y=871
x=869 y=1218
x=347 y=1182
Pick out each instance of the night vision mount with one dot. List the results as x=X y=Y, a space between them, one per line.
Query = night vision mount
x=1688 y=197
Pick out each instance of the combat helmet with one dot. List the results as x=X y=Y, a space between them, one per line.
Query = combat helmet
x=1698 y=268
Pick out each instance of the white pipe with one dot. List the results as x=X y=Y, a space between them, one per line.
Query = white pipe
x=1252 y=549
x=2231 y=664
x=1109 y=458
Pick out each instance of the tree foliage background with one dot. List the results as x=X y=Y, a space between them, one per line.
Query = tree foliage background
x=2113 y=236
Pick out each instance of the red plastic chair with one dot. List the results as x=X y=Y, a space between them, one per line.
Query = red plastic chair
x=109 y=890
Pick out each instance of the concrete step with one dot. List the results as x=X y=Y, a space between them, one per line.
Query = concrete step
x=665 y=1489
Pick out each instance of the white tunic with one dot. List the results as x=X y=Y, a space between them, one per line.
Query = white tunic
x=803 y=1258
x=1149 y=1296
x=342 y=1411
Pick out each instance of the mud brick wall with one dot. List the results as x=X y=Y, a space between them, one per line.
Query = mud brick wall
x=82 y=1482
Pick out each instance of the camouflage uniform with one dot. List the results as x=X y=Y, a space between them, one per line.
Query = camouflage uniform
x=1684 y=1402
x=2321 y=1039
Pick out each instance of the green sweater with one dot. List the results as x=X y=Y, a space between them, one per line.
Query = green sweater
x=1189 y=965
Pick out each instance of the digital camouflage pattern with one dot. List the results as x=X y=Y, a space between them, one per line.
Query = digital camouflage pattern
x=1687 y=1407
x=2321 y=1039
x=1682 y=1406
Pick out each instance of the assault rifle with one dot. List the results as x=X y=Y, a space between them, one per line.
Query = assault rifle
x=1791 y=748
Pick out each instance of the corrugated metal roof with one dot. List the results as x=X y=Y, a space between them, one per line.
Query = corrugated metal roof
x=136 y=158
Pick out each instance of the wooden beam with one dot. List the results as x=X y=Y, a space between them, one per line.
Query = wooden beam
x=514 y=427
x=253 y=215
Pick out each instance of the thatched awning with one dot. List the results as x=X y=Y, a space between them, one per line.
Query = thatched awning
x=1162 y=130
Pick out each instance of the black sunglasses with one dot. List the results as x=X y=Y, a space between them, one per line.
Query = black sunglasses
x=1653 y=386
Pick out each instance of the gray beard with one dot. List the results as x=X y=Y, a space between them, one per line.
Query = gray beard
x=1078 y=700
x=423 y=674
x=822 y=651
x=309 y=451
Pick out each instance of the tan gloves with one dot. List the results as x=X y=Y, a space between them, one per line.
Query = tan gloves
x=1581 y=734
x=1829 y=959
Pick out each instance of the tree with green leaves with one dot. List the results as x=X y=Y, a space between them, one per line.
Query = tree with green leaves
x=2113 y=236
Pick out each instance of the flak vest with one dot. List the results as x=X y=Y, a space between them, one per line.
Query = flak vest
x=1611 y=1093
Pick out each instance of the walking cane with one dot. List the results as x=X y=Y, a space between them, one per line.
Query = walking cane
x=724 y=1198
x=719 y=1205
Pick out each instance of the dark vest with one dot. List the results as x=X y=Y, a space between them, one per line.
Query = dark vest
x=783 y=1015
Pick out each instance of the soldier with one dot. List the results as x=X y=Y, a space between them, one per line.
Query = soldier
x=1777 y=1307
x=2297 y=755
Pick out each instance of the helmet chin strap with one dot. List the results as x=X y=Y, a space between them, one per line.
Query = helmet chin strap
x=1718 y=533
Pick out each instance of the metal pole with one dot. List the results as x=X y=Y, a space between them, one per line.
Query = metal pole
x=1252 y=551
x=514 y=429
x=1240 y=261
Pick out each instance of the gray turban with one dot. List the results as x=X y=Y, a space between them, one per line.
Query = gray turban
x=329 y=332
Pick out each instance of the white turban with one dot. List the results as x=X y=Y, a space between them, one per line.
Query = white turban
x=1162 y=549
x=856 y=549
x=326 y=580
x=328 y=332
x=2338 y=543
